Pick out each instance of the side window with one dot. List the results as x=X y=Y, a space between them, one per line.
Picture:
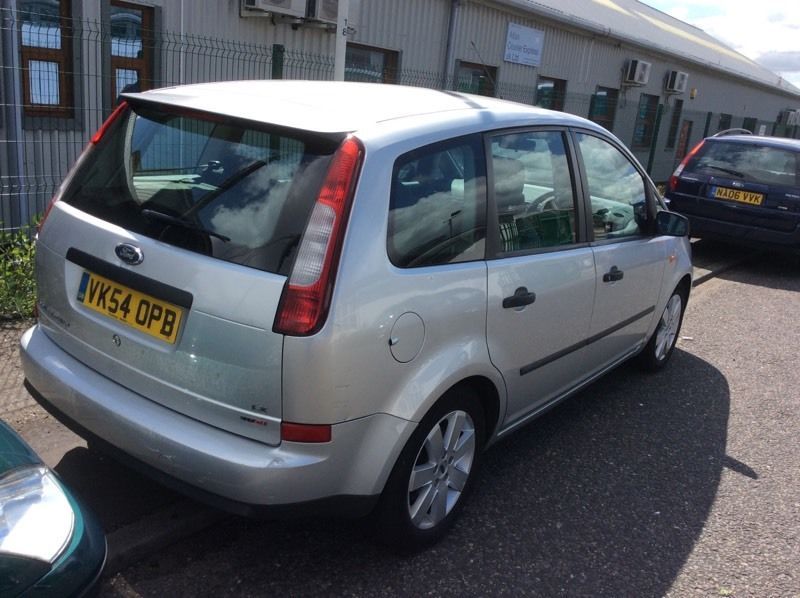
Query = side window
x=616 y=189
x=533 y=191
x=437 y=211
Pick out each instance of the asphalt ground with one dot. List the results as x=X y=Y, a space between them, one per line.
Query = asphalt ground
x=682 y=483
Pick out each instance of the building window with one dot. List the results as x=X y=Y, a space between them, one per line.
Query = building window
x=749 y=124
x=46 y=55
x=645 y=121
x=370 y=65
x=476 y=78
x=550 y=93
x=603 y=107
x=724 y=122
x=674 y=123
x=131 y=48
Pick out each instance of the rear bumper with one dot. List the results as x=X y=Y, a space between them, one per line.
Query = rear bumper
x=229 y=471
x=701 y=226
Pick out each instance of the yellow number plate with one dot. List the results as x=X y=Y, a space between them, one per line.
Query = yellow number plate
x=748 y=197
x=152 y=316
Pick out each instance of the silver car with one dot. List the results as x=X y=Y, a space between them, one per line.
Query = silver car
x=327 y=296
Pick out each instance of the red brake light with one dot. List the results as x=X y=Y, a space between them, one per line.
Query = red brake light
x=306 y=295
x=123 y=105
x=673 y=180
x=305 y=432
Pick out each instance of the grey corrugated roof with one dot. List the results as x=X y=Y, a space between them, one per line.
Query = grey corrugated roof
x=636 y=22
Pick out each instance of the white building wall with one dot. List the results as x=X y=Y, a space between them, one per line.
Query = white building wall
x=208 y=40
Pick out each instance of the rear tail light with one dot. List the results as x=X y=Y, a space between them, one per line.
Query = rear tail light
x=673 y=180
x=118 y=111
x=306 y=296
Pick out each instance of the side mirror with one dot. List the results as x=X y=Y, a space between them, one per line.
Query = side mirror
x=671 y=224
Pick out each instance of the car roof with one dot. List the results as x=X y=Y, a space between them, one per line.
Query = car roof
x=339 y=107
x=777 y=142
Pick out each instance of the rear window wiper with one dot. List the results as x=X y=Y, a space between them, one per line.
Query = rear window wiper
x=735 y=173
x=161 y=216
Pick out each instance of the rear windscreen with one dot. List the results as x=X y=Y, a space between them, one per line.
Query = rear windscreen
x=763 y=164
x=218 y=187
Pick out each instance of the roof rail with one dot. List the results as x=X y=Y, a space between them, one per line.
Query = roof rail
x=733 y=132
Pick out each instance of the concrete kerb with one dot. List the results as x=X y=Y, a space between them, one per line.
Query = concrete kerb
x=156 y=531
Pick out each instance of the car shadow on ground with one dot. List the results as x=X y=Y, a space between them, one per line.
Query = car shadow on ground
x=116 y=494
x=605 y=495
x=770 y=269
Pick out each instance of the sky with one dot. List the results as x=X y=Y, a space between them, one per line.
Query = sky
x=767 y=31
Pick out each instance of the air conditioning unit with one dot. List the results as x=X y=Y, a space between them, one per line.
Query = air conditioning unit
x=292 y=8
x=637 y=72
x=326 y=11
x=676 y=81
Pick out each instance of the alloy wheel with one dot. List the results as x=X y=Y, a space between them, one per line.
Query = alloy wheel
x=668 y=327
x=441 y=469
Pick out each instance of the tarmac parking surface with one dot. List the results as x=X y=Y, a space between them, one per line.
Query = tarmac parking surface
x=682 y=483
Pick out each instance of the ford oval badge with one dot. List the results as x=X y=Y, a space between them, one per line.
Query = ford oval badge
x=130 y=254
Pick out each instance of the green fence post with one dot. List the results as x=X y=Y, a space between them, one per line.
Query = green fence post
x=278 y=52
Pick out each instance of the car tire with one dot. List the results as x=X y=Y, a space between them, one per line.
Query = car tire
x=661 y=345
x=434 y=472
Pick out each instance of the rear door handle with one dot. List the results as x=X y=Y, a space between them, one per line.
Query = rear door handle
x=520 y=298
x=613 y=275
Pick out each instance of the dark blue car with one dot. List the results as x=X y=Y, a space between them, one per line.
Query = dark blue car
x=742 y=188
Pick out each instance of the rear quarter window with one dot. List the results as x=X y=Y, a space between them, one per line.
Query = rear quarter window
x=437 y=211
x=227 y=189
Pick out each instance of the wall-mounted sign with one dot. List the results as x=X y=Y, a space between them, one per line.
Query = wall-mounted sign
x=524 y=45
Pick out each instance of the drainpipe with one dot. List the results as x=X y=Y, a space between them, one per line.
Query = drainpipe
x=449 y=58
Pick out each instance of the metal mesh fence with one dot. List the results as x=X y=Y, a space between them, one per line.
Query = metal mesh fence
x=61 y=77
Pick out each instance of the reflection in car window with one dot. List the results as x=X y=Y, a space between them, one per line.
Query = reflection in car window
x=533 y=191
x=617 y=190
x=437 y=213
x=223 y=189
x=769 y=165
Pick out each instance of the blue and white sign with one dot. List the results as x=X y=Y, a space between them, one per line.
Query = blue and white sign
x=524 y=45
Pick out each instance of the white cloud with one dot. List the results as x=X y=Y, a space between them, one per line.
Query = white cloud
x=767 y=33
